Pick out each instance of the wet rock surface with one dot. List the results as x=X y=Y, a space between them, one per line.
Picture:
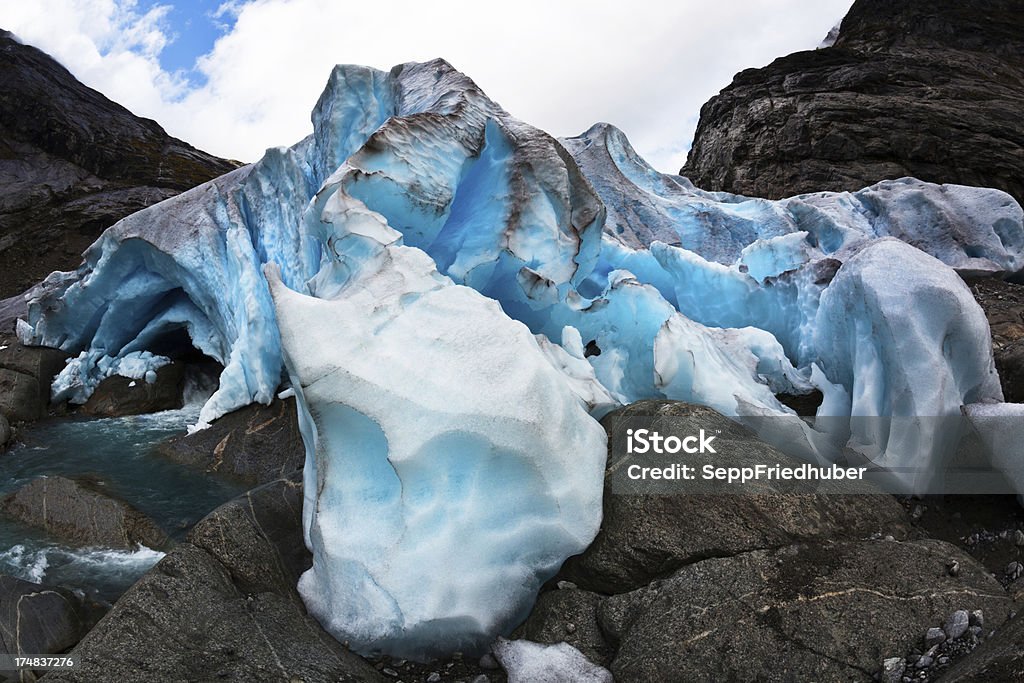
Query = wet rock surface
x=255 y=444
x=222 y=606
x=72 y=163
x=25 y=376
x=82 y=513
x=37 y=619
x=929 y=90
x=117 y=396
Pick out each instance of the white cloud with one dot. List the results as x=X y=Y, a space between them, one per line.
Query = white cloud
x=646 y=67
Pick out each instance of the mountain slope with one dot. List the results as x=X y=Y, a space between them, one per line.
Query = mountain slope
x=72 y=163
x=930 y=90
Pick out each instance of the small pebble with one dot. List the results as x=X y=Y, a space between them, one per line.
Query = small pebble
x=565 y=585
x=1018 y=537
x=978 y=618
x=892 y=670
x=434 y=677
x=570 y=627
x=943 y=661
x=934 y=636
x=481 y=679
x=957 y=624
x=389 y=672
x=953 y=568
x=1014 y=570
x=489 y=662
x=924 y=662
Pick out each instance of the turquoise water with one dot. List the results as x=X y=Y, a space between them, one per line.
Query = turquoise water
x=118 y=453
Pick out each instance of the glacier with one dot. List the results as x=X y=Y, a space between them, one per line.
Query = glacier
x=454 y=295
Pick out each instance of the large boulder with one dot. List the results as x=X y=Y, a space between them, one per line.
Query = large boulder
x=25 y=376
x=803 y=612
x=117 y=395
x=256 y=444
x=930 y=90
x=81 y=513
x=222 y=606
x=644 y=537
x=40 y=620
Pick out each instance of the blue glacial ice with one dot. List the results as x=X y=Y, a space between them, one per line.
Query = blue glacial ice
x=451 y=290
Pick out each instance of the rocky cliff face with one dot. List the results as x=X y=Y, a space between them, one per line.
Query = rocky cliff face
x=72 y=163
x=931 y=90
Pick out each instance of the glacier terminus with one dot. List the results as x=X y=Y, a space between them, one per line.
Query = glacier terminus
x=454 y=296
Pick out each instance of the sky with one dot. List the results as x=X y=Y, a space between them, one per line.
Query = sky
x=236 y=77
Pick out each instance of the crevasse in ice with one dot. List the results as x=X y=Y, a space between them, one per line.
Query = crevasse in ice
x=582 y=276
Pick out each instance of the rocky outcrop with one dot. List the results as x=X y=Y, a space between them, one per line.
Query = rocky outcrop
x=81 y=514
x=40 y=620
x=929 y=90
x=72 y=163
x=222 y=606
x=644 y=537
x=256 y=444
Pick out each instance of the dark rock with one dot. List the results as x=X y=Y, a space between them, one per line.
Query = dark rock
x=1003 y=303
x=999 y=658
x=25 y=376
x=222 y=606
x=21 y=396
x=804 y=404
x=72 y=163
x=644 y=537
x=116 y=396
x=5 y=431
x=82 y=514
x=568 y=616
x=256 y=444
x=803 y=612
x=11 y=309
x=930 y=90
x=934 y=636
x=40 y=620
x=956 y=624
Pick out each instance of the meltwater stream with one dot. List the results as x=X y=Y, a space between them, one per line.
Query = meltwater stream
x=118 y=453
